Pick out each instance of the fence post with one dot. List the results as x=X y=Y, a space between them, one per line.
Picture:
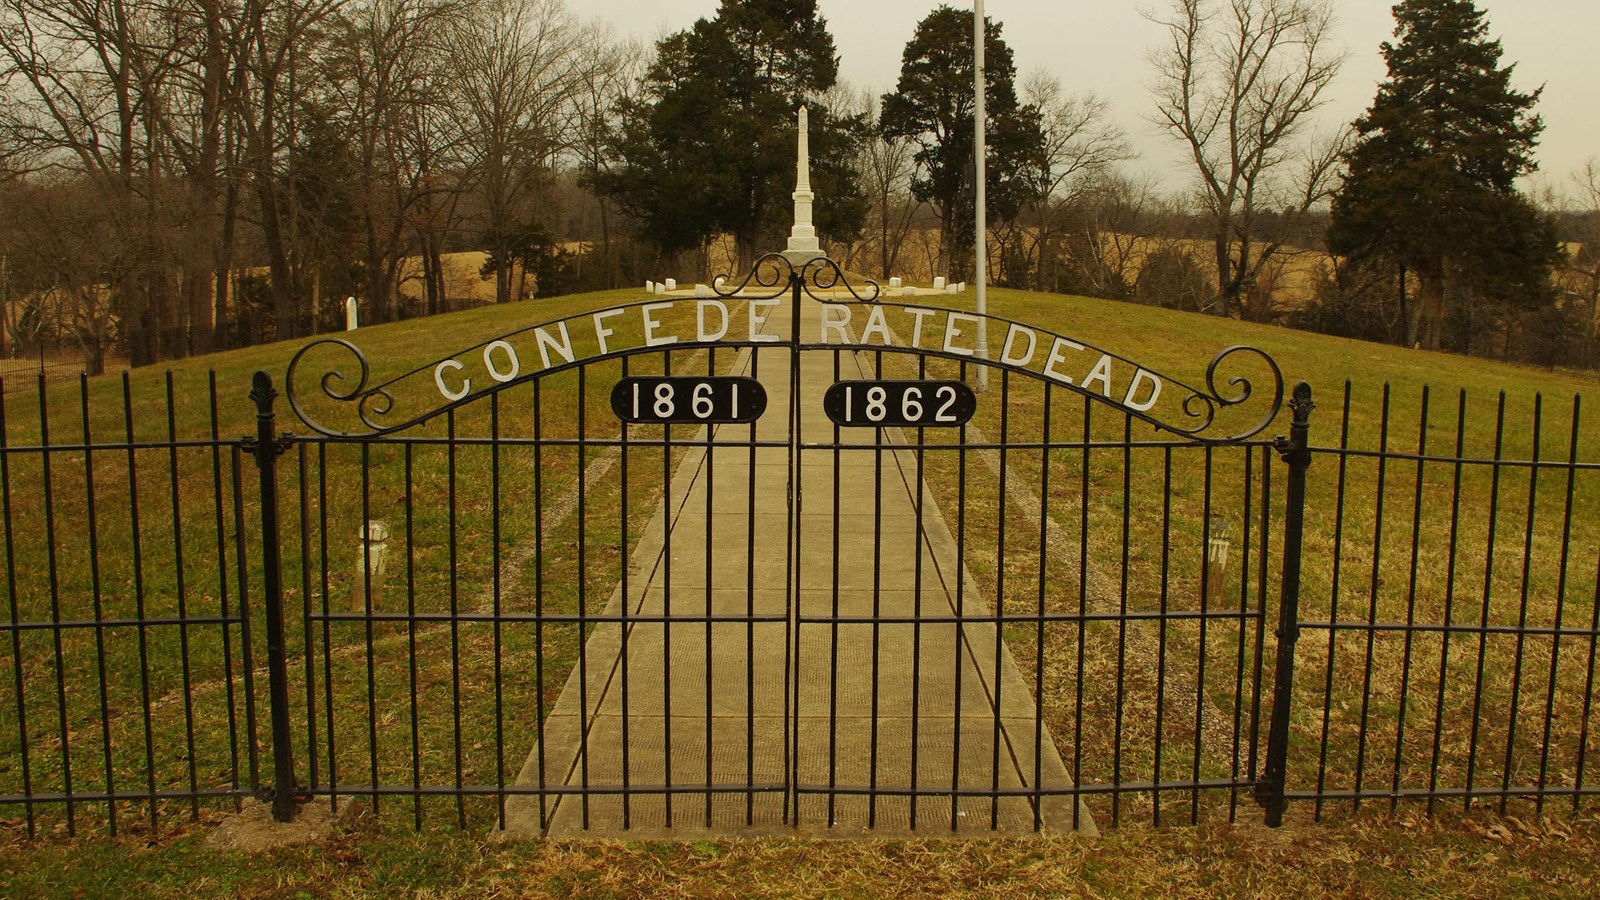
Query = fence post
x=266 y=448
x=1296 y=451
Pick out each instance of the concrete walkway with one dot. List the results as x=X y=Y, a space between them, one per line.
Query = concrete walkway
x=950 y=707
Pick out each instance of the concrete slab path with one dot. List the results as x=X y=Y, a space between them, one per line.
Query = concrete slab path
x=853 y=727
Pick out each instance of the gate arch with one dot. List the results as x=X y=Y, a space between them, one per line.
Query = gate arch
x=1016 y=623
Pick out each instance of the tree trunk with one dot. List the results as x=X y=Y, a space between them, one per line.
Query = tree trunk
x=502 y=275
x=1430 y=277
x=746 y=242
x=1228 y=281
x=609 y=255
x=223 y=265
x=134 y=320
x=436 y=255
x=430 y=296
x=377 y=298
x=947 y=222
x=316 y=300
x=202 y=313
x=282 y=278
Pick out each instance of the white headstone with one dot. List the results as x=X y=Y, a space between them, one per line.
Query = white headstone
x=702 y=290
x=949 y=289
x=672 y=284
x=660 y=289
x=961 y=287
x=649 y=287
x=350 y=321
x=894 y=282
x=938 y=283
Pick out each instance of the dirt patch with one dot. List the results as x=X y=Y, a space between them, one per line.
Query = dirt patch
x=253 y=829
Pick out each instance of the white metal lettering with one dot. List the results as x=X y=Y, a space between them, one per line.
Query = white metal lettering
x=650 y=325
x=438 y=379
x=511 y=354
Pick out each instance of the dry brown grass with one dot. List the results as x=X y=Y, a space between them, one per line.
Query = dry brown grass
x=1368 y=856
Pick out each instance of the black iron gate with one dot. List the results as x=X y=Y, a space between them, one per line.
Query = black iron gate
x=856 y=611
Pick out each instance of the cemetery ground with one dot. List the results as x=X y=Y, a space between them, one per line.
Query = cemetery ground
x=401 y=676
x=1408 y=855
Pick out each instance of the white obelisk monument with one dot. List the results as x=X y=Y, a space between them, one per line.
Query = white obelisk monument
x=803 y=246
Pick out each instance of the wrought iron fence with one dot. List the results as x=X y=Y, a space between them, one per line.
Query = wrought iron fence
x=1152 y=611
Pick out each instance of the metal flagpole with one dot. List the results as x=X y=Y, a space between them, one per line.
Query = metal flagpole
x=980 y=198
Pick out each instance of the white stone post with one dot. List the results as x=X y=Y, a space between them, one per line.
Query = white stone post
x=372 y=564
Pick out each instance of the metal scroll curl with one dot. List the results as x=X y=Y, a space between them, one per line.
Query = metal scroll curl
x=823 y=274
x=1203 y=407
x=370 y=405
x=767 y=279
x=773 y=274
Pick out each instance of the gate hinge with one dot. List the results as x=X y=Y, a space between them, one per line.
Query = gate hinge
x=1290 y=452
x=1262 y=792
x=249 y=444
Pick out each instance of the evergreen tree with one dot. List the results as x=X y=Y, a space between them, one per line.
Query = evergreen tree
x=1431 y=181
x=933 y=105
x=709 y=146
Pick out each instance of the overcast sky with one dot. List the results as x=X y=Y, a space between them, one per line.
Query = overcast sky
x=1103 y=47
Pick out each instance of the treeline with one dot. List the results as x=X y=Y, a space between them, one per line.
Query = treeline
x=187 y=175
x=179 y=176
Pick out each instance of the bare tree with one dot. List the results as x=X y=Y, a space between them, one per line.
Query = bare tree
x=277 y=34
x=385 y=75
x=1235 y=83
x=1582 y=256
x=1080 y=142
x=615 y=75
x=887 y=166
x=518 y=67
x=1118 y=220
x=88 y=73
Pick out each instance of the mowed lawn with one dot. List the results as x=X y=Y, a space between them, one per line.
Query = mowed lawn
x=1369 y=852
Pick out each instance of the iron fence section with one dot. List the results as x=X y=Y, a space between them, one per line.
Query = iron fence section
x=1449 y=636
x=128 y=620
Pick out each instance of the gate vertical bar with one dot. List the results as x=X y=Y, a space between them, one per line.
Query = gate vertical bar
x=791 y=694
x=266 y=452
x=1296 y=451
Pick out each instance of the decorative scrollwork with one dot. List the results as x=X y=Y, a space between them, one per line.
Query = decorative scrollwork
x=329 y=384
x=774 y=274
x=1244 y=386
x=771 y=274
x=1202 y=407
x=823 y=274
